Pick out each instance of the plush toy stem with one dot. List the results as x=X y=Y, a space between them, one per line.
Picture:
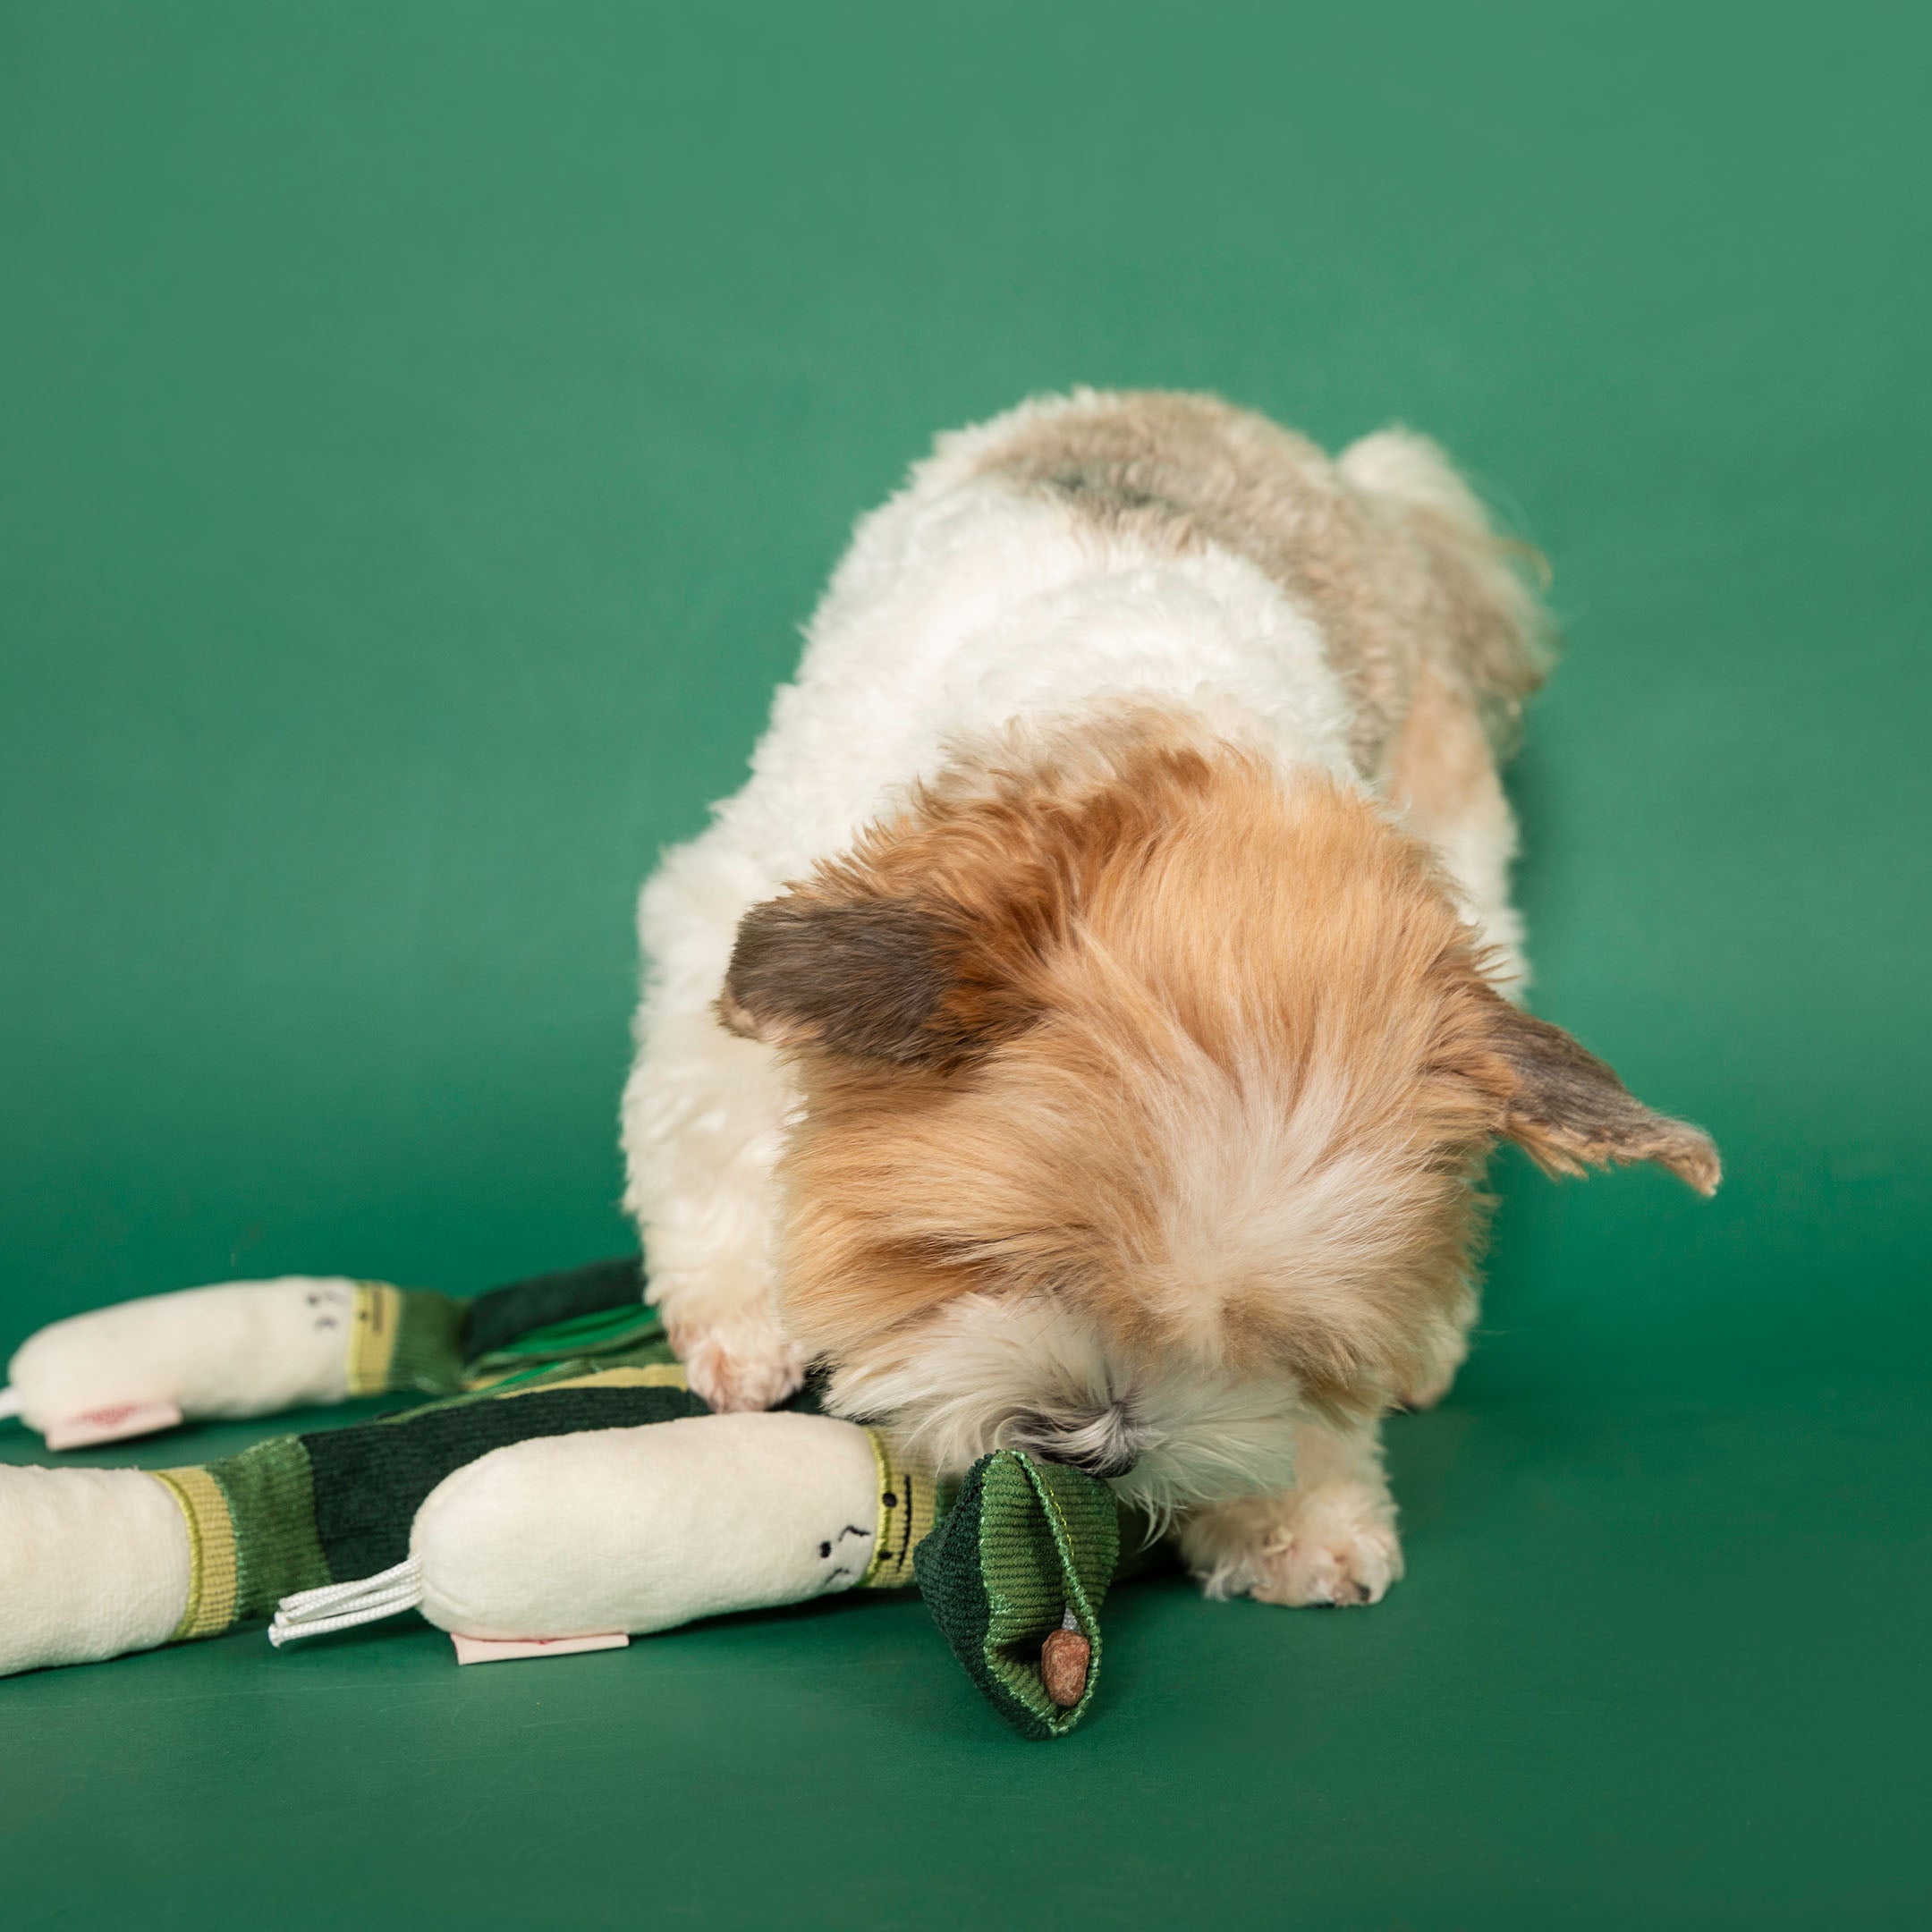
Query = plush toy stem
x=1064 y=1659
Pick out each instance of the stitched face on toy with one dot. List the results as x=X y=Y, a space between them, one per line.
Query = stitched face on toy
x=1142 y=1096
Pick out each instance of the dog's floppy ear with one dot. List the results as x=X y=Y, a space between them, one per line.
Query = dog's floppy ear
x=934 y=938
x=1567 y=1110
x=912 y=981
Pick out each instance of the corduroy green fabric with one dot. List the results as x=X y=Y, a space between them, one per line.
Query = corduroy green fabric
x=441 y=1345
x=1025 y=1543
x=505 y=1373
x=270 y=1494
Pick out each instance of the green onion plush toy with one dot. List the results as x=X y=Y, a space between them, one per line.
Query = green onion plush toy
x=558 y=1488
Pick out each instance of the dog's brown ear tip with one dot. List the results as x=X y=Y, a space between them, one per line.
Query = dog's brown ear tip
x=1689 y=1152
x=1568 y=1111
x=1700 y=1164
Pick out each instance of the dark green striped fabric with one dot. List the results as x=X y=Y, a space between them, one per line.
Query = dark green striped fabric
x=369 y=1481
x=444 y=1344
x=1022 y=1545
x=505 y=1315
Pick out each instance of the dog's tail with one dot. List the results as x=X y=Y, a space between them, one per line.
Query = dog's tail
x=1499 y=635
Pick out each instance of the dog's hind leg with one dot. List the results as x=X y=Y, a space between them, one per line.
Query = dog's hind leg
x=1481 y=649
x=1443 y=774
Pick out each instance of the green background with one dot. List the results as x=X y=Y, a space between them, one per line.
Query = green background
x=424 y=427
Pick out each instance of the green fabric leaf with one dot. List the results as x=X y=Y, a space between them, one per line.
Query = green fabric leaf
x=1025 y=1543
x=606 y=1332
x=428 y=1346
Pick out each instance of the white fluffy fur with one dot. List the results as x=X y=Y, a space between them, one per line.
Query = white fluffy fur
x=238 y=1349
x=93 y=1564
x=641 y=1530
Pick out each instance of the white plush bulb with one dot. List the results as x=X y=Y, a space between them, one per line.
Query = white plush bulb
x=639 y=1530
x=93 y=1562
x=237 y=1349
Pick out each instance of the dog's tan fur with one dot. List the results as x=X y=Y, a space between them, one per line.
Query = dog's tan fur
x=1122 y=966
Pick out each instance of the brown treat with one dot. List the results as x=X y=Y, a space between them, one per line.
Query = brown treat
x=1062 y=1666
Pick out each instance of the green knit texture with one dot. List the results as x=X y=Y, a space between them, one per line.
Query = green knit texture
x=446 y=1344
x=1025 y=1543
x=633 y=1332
x=369 y=1481
x=430 y=1343
x=270 y=1494
x=487 y=1380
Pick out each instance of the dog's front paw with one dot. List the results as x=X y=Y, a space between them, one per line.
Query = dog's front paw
x=739 y=1367
x=1337 y=1547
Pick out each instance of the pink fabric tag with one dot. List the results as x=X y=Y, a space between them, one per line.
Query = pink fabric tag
x=501 y=1650
x=112 y=1425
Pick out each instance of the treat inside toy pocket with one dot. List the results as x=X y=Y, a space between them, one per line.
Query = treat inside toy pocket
x=1015 y=1576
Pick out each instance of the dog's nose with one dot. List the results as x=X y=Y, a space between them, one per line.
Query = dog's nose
x=1104 y=1463
x=1104 y=1447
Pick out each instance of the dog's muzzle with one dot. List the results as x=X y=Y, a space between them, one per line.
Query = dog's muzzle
x=1103 y=1443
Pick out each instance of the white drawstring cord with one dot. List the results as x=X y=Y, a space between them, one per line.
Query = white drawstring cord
x=9 y=1402
x=315 y=1613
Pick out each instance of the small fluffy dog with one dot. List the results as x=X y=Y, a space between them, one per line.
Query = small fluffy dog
x=1087 y=1028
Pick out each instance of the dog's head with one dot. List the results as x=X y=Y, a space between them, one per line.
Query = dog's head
x=1142 y=1096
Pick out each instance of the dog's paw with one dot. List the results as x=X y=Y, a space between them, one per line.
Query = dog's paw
x=1337 y=1547
x=745 y=1366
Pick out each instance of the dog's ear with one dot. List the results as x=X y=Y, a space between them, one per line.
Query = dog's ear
x=935 y=938
x=909 y=981
x=1567 y=1110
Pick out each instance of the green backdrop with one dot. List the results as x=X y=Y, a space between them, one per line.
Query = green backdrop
x=424 y=429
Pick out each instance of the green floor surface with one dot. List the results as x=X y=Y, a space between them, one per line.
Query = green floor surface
x=1658 y=1664
x=422 y=428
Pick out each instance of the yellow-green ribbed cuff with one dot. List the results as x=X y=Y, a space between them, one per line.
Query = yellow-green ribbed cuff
x=212 y=1575
x=907 y=1507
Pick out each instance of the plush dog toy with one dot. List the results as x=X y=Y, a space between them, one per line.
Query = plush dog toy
x=563 y=1489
